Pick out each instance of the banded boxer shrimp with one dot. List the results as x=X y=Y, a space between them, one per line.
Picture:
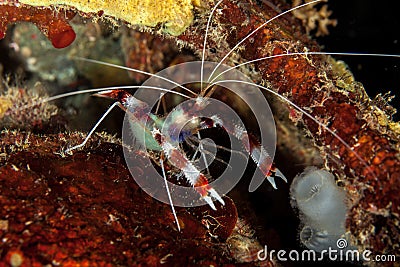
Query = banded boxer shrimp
x=172 y=151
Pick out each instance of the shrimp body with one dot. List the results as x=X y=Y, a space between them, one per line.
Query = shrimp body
x=140 y=120
x=154 y=133
x=144 y=126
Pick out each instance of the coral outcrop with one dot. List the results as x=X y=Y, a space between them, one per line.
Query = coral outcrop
x=53 y=212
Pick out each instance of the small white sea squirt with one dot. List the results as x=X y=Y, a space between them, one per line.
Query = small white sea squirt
x=322 y=206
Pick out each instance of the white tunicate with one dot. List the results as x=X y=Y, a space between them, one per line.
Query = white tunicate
x=317 y=240
x=322 y=206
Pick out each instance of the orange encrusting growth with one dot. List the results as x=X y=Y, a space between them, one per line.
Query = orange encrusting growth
x=52 y=24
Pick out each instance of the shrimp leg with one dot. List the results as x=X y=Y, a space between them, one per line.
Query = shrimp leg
x=258 y=153
x=197 y=179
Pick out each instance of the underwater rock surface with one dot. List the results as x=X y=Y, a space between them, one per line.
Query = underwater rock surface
x=85 y=209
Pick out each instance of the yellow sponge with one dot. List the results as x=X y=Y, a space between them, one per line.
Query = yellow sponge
x=176 y=15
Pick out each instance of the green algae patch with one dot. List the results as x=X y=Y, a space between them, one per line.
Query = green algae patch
x=176 y=15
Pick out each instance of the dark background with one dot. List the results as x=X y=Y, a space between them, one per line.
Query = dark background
x=370 y=27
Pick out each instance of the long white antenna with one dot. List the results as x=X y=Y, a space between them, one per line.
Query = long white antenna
x=135 y=70
x=205 y=43
x=310 y=116
x=259 y=27
x=96 y=90
x=305 y=54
